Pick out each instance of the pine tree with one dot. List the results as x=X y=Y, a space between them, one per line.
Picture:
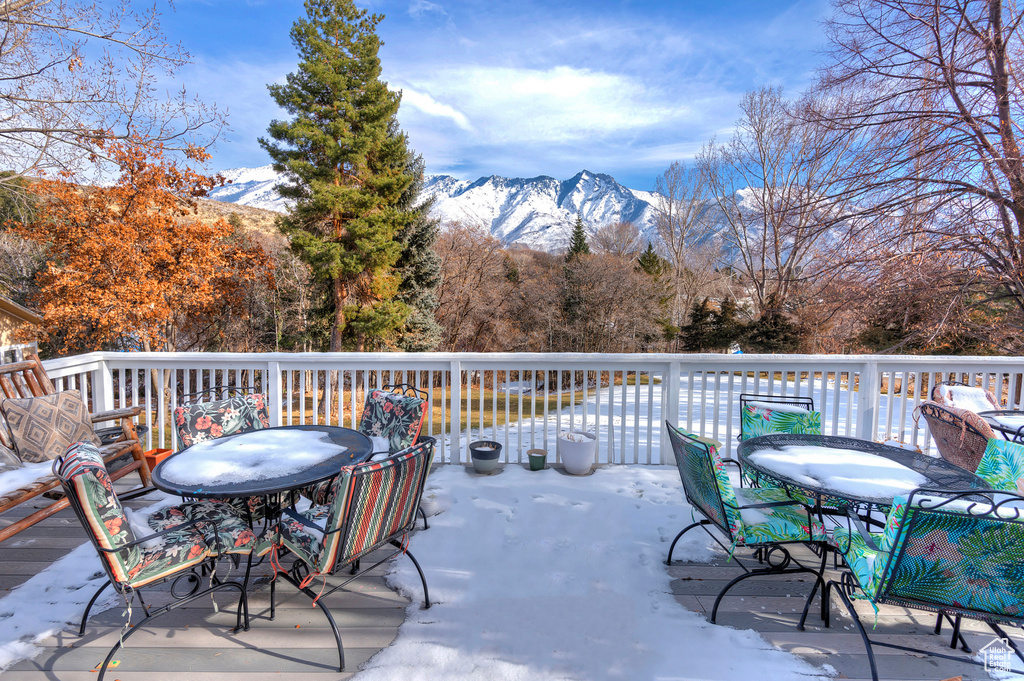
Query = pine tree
x=420 y=269
x=578 y=242
x=726 y=325
x=773 y=332
x=696 y=333
x=650 y=262
x=347 y=169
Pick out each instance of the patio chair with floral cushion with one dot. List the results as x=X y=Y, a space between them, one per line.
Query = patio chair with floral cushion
x=960 y=435
x=392 y=418
x=767 y=414
x=753 y=518
x=240 y=410
x=957 y=554
x=371 y=505
x=132 y=560
x=1002 y=466
x=963 y=396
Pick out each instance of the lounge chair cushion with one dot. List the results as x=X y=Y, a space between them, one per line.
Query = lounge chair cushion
x=394 y=416
x=44 y=427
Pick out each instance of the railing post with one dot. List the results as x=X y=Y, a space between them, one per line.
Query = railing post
x=102 y=387
x=869 y=388
x=275 y=394
x=455 y=413
x=669 y=406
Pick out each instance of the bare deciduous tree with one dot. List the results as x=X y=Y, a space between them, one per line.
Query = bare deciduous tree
x=937 y=81
x=779 y=186
x=73 y=72
x=620 y=239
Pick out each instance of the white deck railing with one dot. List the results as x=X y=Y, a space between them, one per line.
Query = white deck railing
x=505 y=397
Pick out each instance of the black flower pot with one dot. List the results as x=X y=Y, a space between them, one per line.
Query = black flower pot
x=485 y=455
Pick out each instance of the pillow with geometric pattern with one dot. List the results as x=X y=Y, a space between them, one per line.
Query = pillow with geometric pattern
x=43 y=427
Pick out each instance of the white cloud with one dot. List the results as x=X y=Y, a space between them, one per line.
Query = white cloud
x=556 y=105
x=420 y=7
x=432 y=107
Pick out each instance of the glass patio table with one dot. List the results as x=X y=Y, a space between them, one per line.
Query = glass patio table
x=842 y=473
x=1008 y=422
x=264 y=463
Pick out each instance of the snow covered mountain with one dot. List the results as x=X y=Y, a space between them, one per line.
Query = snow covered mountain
x=538 y=212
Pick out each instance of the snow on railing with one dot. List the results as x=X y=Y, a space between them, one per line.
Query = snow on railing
x=524 y=400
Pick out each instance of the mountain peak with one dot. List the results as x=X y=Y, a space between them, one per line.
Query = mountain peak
x=537 y=212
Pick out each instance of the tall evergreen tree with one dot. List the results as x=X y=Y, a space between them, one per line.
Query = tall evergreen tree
x=347 y=169
x=420 y=268
x=696 y=333
x=726 y=325
x=578 y=242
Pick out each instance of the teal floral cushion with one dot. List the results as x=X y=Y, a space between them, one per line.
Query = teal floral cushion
x=760 y=420
x=1002 y=466
x=775 y=523
x=861 y=559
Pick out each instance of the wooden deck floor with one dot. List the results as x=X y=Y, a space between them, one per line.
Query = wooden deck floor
x=197 y=644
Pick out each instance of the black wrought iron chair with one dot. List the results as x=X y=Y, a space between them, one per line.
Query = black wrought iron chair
x=754 y=518
x=958 y=554
x=371 y=505
x=233 y=410
x=394 y=413
x=181 y=552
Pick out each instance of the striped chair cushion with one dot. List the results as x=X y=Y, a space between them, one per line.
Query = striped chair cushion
x=371 y=504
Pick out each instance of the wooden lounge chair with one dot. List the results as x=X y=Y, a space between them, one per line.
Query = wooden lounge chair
x=28 y=379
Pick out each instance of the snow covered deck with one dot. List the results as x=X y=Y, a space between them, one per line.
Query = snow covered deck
x=536 y=575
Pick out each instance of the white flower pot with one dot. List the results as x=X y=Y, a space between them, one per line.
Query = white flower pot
x=577 y=457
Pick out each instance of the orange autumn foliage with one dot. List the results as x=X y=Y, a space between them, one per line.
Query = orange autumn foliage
x=129 y=265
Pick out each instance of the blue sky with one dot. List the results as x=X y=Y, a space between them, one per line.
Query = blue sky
x=524 y=87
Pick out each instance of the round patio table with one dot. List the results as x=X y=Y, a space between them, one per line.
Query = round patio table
x=349 y=447
x=1008 y=422
x=843 y=471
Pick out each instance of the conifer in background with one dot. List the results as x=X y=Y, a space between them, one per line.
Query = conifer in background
x=420 y=268
x=347 y=169
x=578 y=242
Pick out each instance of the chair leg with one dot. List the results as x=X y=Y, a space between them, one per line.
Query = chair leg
x=318 y=602
x=860 y=628
x=273 y=583
x=92 y=601
x=424 y=516
x=818 y=580
x=780 y=569
x=426 y=593
x=686 y=529
x=167 y=608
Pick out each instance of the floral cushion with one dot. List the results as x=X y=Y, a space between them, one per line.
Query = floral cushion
x=44 y=427
x=314 y=546
x=225 y=531
x=861 y=560
x=83 y=475
x=210 y=420
x=760 y=420
x=394 y=416
x=1002 y=466
x=774 y=523
x=705 y=481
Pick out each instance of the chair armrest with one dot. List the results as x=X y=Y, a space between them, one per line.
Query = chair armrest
x=127 y=412
x=857 y=525
x=147 y=538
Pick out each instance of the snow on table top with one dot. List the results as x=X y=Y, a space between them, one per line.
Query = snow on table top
x=966 y=397
x=1014 y=421
x=792 y=408
x=257 y=456
x=843 y=471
